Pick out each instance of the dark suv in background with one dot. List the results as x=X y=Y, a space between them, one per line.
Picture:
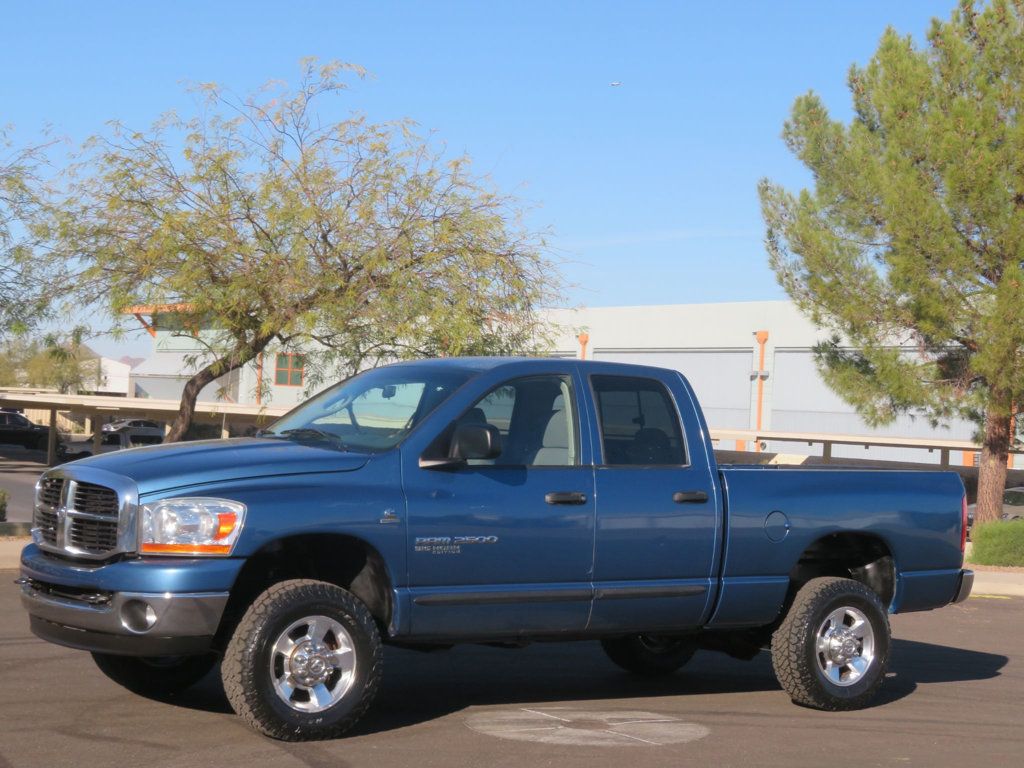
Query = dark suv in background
x=15 y=429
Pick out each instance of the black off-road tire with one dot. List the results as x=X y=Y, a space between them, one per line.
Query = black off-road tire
x=649 y=656
x=245 y=670
x=157 y=676
x=794 y=652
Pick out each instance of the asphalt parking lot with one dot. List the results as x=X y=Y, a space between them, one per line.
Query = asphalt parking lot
x=954 y=698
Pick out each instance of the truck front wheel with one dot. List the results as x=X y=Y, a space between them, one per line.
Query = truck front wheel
x=649 y=655
x=156 y=676
x=304 y=662
x=832 y=649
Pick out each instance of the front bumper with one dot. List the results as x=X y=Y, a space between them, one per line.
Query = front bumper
x=133 y=607
x=128 y=623
x=964 y=586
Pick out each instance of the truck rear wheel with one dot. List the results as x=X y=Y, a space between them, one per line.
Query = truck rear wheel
x=155 y=676
x=649 y=655
x=832 y=649
x=304 y=662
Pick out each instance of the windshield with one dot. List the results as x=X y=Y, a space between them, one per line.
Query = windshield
x=373 y=411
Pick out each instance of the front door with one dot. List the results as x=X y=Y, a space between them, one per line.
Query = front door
x=504 y=546
x=656 y=509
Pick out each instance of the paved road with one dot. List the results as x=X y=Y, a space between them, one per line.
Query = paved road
x=19 y=470
x=954 y=698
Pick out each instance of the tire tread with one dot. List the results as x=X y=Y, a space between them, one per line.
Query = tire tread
x=798 y=678
x=239 y=676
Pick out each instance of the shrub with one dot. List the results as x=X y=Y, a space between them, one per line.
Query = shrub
x=999 y=543
x=3 y=506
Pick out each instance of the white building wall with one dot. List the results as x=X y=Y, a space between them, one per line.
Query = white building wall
x=114 y=376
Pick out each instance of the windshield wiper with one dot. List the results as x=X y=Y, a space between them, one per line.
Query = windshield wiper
x=306 y=433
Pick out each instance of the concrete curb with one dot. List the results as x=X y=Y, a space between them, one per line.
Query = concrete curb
x=1001 y=583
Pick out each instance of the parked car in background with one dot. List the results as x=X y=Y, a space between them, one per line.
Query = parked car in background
x=120 y=424
x=112 y=441
x=16 y=429
x=1013 y=506
x=1013 y=503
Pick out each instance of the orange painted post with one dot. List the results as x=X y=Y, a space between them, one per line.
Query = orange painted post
x=583 y=338
x=1013 y=435
x=762 y=340
x=150 y=329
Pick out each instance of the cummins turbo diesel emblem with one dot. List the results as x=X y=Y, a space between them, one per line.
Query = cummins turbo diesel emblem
x=449 y=545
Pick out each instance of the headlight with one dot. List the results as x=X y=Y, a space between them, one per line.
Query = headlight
x=191 y=526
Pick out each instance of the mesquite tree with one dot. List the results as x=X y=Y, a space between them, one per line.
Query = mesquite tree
x=24 y=283
x=268 y=225
x=910 y=245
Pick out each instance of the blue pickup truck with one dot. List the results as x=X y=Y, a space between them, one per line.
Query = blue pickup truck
x=480 y=500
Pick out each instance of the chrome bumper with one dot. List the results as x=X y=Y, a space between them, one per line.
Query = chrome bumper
x=122 y=622
x=963 y=590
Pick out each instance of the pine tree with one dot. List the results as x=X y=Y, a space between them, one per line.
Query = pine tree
x=909 y=247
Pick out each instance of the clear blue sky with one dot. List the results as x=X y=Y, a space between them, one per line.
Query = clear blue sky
x=648 y=188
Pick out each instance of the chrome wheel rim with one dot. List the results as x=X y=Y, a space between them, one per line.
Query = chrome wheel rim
x=313 y=664
x=845 y=646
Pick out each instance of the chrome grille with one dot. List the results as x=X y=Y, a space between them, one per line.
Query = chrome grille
x=45 y=515
x=94 y=536
x=95 y=500
x=50 y=489
x=85 y=513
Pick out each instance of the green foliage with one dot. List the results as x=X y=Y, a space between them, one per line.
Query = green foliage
x=3 y=505
x=282 y=228
x=908 y=247
x=24 y=285
x=999 y=543
x=56 y=361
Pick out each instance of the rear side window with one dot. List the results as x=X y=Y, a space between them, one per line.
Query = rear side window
x=639 y=423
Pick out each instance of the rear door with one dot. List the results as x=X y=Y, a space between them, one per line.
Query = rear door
x=657 y=507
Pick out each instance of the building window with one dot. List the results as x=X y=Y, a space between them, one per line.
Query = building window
x=289 y=370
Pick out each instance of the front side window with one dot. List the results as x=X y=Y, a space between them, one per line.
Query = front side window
x=639 y=424
x=373 y=411
x=536 y=417
x=289 y=371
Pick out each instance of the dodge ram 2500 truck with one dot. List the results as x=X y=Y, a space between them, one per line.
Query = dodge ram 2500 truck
x=479 y=500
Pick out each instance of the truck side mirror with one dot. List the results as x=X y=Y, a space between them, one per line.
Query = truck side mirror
x=468 y=441
x=475 y=441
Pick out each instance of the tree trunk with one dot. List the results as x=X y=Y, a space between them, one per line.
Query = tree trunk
x=992 y=472
x=187 y=409
x=205 y=376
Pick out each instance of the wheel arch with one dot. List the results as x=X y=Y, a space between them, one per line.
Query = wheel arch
x=340 y=559
x=857 y=555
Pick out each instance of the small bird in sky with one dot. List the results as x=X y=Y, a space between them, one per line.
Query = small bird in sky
x=615 y=83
